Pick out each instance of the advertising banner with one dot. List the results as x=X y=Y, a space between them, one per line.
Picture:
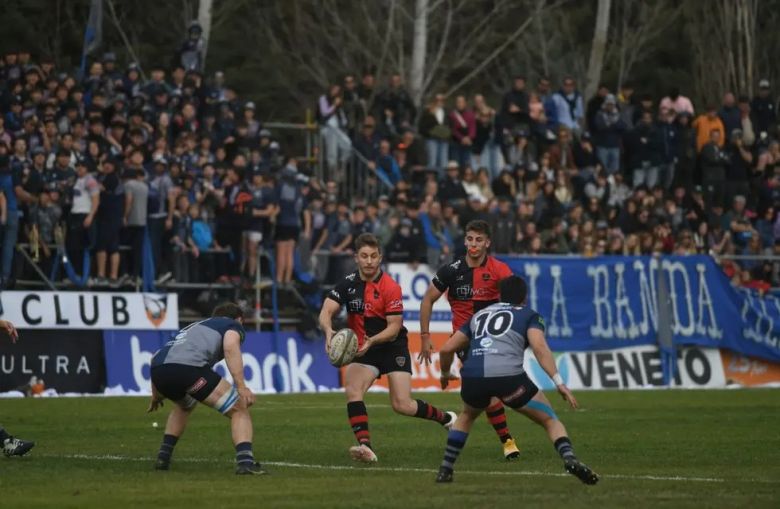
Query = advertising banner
x=631 y=368
x=414 y=283
x=287 y=363
x=91 y=310
x=749 y=371
x=65 y=361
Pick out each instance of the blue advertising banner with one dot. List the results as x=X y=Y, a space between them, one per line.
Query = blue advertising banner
x=613 y=302
x=291 y=364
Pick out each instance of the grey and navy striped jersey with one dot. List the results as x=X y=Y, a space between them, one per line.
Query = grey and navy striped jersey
x=497 y=340
x=198 y=344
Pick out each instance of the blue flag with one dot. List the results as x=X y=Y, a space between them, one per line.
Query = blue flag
x=93 y=34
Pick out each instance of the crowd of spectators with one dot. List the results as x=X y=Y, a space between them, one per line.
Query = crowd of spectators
x=108 y=159
x=619 y=173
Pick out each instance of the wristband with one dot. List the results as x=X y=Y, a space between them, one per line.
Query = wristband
x=557 y=379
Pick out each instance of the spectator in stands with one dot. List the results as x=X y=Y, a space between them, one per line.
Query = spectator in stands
x=135 y=215
x=464 y=129
x=333 y=129
x=434 y=127
x=569 y=108
x=514 y=107
x=746 y=122
x=705 y=124
x=763 y=108
x=642 y=148
x=289 y=199
x=451 y=187
x=109 y=222
x=677 y=102
x=395 y=108
x=503 y=224
x=714 y=161
x=594 y=106
x=386 y=166
x=486 y=149
x=738 y=170
x=608 y=129
x=686 y=152
x=160 y=211
x=729 y=114
x=627 y=104
x=669 y=136
x=262 y=210
x=437 y=237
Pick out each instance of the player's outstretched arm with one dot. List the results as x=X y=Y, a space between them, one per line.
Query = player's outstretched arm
x=546 y=360
x=231 y=344
x=456 y=343
x=426 y=309
x=389 y=333
x=329 y=308
x=9 y=328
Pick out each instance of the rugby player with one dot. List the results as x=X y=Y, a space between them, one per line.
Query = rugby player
x=496 y=339
x=375 y=313
x=471 y=283
x=182 y=372
x=12 y=446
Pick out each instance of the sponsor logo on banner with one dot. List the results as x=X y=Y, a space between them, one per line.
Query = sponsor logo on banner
x=414 y=283
x=88 y=310
x=749 y=371
x=297 y=366
x=67 y=361
x=630 y=368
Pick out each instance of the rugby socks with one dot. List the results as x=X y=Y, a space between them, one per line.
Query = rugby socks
x=430 y=412
x=497 y=418
x=358 y=419
x=166 y=448
x=564 y=448
x=244 y=454
x=455 y=442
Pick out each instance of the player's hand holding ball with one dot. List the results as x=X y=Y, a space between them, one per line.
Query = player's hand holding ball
x=342 y=347
x=363 y=349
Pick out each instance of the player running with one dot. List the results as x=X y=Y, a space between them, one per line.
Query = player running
x=496 y=338
x=375 y=313
x=12 y=446
x=181 y=372
x=471 y=283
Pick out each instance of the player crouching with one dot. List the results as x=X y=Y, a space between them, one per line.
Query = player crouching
x=182 y=372
x=375 y=313
x=496 y=339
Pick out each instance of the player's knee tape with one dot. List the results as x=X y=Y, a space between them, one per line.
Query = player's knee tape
x=535 y=405
x=227 y=401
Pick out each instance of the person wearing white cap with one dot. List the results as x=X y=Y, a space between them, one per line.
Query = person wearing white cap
x=763 y=107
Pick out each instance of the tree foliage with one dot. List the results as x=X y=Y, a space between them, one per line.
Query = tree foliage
x=283 y=54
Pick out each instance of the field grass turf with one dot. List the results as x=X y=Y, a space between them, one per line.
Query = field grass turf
x=98 y=452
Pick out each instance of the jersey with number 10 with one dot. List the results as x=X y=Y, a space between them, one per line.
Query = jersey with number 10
x=497 y=340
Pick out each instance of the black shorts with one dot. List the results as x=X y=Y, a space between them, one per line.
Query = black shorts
x=514 y=391
x=284 y=232
x=108 y=236
x=388 y=358
x=177 y=381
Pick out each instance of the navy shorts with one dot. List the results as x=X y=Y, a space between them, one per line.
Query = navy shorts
x=387 y=358
x=177 y=381
x=514 y=391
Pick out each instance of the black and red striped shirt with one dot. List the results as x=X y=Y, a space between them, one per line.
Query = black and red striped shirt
x=369 y=303
x=470 y=289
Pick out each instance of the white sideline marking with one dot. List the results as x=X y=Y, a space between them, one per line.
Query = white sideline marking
x=113 y=457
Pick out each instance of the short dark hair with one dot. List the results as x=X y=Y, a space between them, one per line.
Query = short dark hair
x=229 y=310
x=366 y=239
x=479 y=226
x=513 y=290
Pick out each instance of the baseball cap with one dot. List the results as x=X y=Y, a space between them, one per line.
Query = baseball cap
x=763 y=83
x=610 y=99
x=250 y=105
x=264 y=133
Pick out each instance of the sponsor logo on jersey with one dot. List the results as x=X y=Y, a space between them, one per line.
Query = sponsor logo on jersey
x=397 y=303
x=351 y=290
x=400 y=360
x=455 y=264
x=376 y=294
x=351 y=277
x=355 y=306
x=201 y=383
x=486 y=343
x=486 y=276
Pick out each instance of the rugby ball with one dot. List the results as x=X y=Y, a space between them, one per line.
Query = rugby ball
x=343 y=347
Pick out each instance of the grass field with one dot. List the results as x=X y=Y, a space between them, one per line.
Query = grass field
x=661 y=448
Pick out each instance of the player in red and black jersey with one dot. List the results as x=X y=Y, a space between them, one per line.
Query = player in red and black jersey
x=375 y=313
x=471 y=283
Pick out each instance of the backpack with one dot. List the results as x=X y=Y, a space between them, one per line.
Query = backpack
x=201 y=234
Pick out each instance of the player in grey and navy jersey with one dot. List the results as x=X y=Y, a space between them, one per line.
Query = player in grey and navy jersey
x=495 y=339
x=182 y=372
